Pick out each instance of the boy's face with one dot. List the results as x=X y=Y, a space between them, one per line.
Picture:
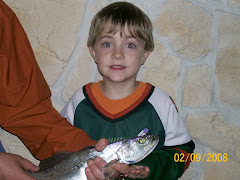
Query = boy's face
x=118 y=58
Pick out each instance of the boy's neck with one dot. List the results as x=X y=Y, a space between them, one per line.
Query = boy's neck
x=118 y=90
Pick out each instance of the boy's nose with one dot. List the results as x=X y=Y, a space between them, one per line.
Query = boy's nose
x=118 y=53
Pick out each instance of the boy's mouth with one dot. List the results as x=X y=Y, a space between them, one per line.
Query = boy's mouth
x=117 y=67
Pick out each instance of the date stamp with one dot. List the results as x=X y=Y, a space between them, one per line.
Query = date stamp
x=208 y=157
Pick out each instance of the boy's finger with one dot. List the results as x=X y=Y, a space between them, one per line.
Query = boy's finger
x=142 y=171
x=121 y=168
x=101 y=144
x=99 y=162
x=89 y=174
x=95 y=171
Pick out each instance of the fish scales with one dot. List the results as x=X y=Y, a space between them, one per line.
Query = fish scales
x=71 y=165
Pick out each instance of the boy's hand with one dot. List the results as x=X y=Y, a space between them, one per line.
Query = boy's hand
x=94 y=169
x=12 y=167
x=139 y=172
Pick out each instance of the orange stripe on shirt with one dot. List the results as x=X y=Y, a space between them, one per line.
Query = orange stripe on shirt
x=114 y=109
x=116 y=106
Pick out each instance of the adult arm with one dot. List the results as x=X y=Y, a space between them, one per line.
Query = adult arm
x=25 y=105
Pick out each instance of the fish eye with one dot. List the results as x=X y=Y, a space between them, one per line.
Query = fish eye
x=142 y=140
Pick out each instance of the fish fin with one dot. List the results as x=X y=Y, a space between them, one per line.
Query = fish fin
x=55 y=159
x=107 y=170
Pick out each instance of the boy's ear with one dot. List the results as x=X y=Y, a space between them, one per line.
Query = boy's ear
x=92 y=51
x=146 y=54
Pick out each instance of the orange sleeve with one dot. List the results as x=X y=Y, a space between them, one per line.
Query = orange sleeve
x=25 y=106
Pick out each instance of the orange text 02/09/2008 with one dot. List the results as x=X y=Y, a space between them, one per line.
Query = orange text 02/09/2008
x=208 y=157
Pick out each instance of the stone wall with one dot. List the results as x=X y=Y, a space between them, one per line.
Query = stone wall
x=196 y=60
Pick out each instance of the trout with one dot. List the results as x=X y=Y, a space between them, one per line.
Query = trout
x=71 y=165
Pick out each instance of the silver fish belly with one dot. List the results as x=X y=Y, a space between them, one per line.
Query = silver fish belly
x=71 y=165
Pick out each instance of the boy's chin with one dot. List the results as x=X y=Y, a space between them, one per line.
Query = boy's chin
x=120 y=78
x=119 y=81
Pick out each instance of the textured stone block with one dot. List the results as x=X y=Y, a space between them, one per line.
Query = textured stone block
x=161 y=69
x=187 y=27
x=234 y=3
x=211 y=130
x=221 y=170
x=79 y=74
x=197 y=88
x=228 y=59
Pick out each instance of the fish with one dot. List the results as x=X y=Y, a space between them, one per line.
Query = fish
x=71 y=165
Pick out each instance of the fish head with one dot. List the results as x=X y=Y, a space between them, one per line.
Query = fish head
x=135 y=149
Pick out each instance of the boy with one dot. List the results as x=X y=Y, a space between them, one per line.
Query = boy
x=120 y=40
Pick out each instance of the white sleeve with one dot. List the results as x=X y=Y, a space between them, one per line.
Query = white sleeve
x=175 y=129
x=69 y=109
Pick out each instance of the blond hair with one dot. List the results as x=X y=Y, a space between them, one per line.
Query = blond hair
x=119 y=15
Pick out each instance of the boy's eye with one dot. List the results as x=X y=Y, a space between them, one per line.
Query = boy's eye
x=106 y=44
x=130 y=45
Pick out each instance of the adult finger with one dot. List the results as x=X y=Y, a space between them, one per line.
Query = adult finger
x=26 y=164
x=23 y=175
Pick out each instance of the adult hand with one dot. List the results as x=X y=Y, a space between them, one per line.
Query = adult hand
x=12 y=167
